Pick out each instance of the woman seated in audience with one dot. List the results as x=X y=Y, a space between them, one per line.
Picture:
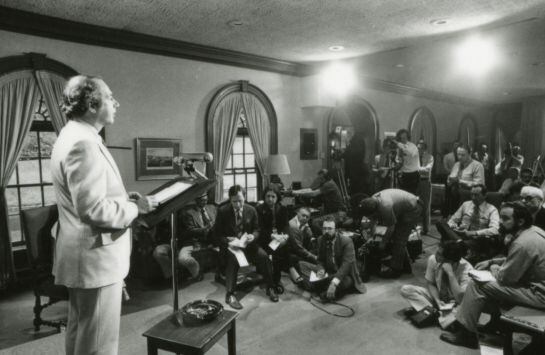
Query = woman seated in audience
x=275 y=240
x=512 y=176
x=446 y=279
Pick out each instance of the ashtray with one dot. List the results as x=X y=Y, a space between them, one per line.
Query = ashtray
x=200 y=312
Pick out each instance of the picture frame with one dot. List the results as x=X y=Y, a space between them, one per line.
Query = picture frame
x=308 y=144
x=155 y=158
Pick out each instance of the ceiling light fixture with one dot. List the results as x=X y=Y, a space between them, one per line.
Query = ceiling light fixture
x=538 y=64
x=336 y=48
x=439 y=22
x=476 y=56
x=339 y=79
x=506 y=93
x=399 y=65
x=235 y=23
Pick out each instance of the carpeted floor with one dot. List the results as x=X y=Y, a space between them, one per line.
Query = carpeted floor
x=292 y=326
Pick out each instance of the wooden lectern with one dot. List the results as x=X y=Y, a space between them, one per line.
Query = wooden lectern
x=198 y=187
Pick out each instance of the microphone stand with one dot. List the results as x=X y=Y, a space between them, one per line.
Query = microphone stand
x=189 y=168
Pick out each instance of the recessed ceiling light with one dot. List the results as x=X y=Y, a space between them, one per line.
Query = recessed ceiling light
x=399 y=65
x=506 y=93
x=336 y=48
x=235 y=23
x=538 y=64
x=439 y=21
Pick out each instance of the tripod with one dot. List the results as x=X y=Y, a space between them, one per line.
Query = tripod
x=536 y=165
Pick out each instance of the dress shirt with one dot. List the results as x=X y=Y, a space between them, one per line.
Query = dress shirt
x=489 y=219
x=426 y=165
x=408 y=153
x=472 y=174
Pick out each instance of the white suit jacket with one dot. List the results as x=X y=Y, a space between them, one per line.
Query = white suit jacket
x=93 y=243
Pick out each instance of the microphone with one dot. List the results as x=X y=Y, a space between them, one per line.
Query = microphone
x=193 y=157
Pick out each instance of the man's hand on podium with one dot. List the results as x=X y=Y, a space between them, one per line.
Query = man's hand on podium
x=145 y=204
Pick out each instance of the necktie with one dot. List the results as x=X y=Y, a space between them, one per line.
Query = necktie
x=330 y=257
x=205 y=217
x=475 y=218
x=420 y=159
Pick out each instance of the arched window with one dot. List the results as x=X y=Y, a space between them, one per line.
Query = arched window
x=30 y=88
x=241 y=132
x=468 y=132
x=422 y=126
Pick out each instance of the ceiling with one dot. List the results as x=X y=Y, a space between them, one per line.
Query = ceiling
x=391 y=40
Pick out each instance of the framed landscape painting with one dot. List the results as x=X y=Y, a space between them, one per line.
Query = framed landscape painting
x=155 y=158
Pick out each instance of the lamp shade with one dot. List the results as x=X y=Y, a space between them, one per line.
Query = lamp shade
x=277 y=164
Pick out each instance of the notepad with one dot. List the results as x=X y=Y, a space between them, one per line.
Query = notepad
x=481 y=275
x=314 y=277
x=170 y=192
x=239 y=255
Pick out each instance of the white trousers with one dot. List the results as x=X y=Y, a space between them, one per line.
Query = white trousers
x=93 y=320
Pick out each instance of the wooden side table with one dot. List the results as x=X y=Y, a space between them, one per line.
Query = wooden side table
x=182 y=339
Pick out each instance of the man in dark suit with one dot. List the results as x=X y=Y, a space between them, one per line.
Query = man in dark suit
x=236 y=229
x=337 y=260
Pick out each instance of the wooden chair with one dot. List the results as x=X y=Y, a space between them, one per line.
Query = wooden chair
x=37 y=224
x=523 y=320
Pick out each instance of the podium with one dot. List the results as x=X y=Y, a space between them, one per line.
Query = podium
x=169 y=208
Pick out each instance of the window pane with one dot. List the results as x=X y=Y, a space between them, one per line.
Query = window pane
x=46 y=170
x=30 y=146
x=238 y=161
x=252 y=180
x=49 y=196
x=252 y=195
x=240 y=180
x=237 y=147
x=31 y=197
x=47 y=139
x=13 y=178
x=249 y=161
x=12 y=201
x=14 y=223
x=225 y=195
x=29 y=171
x=248 y=146
x=228 y=181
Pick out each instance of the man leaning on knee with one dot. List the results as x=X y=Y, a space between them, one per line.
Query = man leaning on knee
x=519 y=277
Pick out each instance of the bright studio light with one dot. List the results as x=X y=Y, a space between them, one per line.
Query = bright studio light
x=476 y=56
x=339 y=79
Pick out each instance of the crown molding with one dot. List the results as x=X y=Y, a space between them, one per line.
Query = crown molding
x=57 y=28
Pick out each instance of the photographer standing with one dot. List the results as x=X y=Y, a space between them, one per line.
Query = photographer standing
x=409 y=159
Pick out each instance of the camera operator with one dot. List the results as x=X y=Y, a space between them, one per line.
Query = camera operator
x=512 y=159
x=410 y=162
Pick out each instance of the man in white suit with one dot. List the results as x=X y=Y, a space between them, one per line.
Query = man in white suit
x=95 y=212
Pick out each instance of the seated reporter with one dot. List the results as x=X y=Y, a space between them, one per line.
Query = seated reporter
x=519 y=277
x=300 y=230
x=337 y=259
x=446 y=280
x=234 y=220
x=198 y=221
x=273 y=224
x=477 y=223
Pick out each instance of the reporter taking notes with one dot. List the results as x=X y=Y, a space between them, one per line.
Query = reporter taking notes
x=95 y=212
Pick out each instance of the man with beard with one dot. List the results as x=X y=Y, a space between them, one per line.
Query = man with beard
x=519 y=277
x=532 y=197
x=336 y=265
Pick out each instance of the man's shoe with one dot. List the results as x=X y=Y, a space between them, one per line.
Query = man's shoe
x=390 y=274
x=232 y=301
x=271 y=292
x=461 y=338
